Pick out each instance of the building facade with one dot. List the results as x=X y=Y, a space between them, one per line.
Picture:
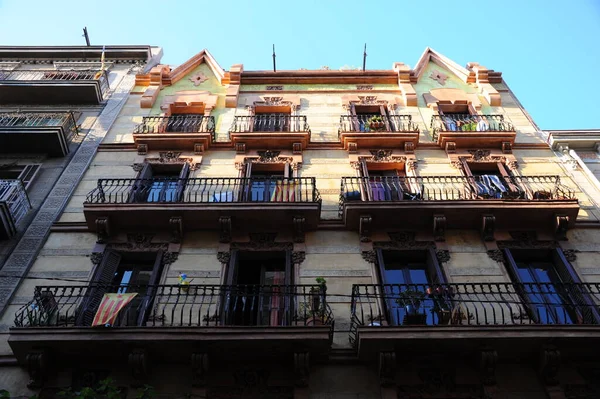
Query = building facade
x=402 y=233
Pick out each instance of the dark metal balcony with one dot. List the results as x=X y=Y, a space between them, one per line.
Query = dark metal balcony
x=202 y=201
x=377 y=131
x=37 y=132
x=212 y=318
x=472 y=131
x=175 y=132
x=270 y=131
x=14 y=205
x=515 y=201
x=412 y=317
x=52 y=87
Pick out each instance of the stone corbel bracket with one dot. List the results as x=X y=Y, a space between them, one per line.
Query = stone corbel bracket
x=234 y=79
x=151 y=93
x=483 y=78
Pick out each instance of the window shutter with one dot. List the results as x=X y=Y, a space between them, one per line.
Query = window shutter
x=151 y=291
x=181 y=183
x=28 y=174
x=354 y=118
x=229 y=292
x=384 y=115
x=103 y=277
x=141 y=186
x=436 y=272
x=580 y=295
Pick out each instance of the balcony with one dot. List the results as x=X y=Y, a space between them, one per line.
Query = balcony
x=472 y=131
x=515 y=318
x=515 y=201
x=250 y=320
x=376 y=131
x=37 y=132
x=270 y=131
x=14 y=205
x=177 y=132
x=53 y=87
x=267 y=203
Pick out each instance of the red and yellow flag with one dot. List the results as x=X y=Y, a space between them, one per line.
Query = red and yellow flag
x=110 y=307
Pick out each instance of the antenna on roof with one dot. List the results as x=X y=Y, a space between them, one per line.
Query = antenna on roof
x=87 y=37
x=365 y=58
x=274 y=66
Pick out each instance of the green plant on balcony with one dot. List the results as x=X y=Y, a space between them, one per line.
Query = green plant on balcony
x=411 y=301
x=313 y=309
x=376 y=123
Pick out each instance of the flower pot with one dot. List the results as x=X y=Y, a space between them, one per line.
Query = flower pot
x=415 y=319
x=376 y=125
x=314 y=321
x=410 y=309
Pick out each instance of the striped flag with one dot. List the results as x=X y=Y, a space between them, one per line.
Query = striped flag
x=110 y=307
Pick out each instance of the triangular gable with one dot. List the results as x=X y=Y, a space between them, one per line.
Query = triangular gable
x=203 y=56
x=472 y=73
x=430 y=55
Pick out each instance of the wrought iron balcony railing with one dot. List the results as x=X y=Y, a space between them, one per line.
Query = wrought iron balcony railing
x=205 y=190
x=270 y=123
x=469 y=123
x=377 y=123
x=17 y=120
x=176 y=124
x=180 y=306
x=14 y=197
x=54 y=75
x=452 y=188
x=486 y=304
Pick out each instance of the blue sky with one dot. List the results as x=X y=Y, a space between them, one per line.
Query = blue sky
x=547 y=50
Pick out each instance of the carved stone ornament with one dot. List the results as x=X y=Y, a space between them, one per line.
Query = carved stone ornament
x=139 y=242
x=225 y=229
x=488 y=362
x=176 y=226
x=442 y=255
x=298 y=257
x=484 y=156
x=198 y=78
x=301 y=368
x=102 y=229
x=439 y=227
x=549 y=365
x=496 y=255
x=369 y=256
x=172 y=157
x=525 y=240
x=438 y=77
x=169 y=258
x=224 y=257
x=487 y=228
x=402 y=236
x=270 y=156
x=299 y=223
x=200 y=366
x=138 y=365
x=570 y=254
x=364 y=228
x=137 y=167
x=387 y=368
x=367 y=99
x=37 y=367
x=96 y=257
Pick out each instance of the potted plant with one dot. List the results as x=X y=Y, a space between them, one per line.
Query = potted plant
x=411 y=301
x=315 y=310
x=441 y=306
x=376 y=123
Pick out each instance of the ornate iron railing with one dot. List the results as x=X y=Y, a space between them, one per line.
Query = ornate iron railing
x=180 y=306
x=176 y=124
x=14 y=197
x=377 y=123
x=270 y=123
x=452 y=188
x=205 y=190
x=17 y=120
x=473 y=304
x=469 y=123
x=54 y=75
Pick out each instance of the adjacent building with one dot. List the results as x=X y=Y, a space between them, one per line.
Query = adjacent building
x=401 y=233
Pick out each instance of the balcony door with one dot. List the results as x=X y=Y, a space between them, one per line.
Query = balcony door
x=258 y=289
x=123 y=273
x=408 y=278
x=550 y=288
x=370 y=117
x=265 y=182
x=161 y=183
x=490 y=180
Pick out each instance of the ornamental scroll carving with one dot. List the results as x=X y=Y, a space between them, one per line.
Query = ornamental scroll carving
x=169 y=157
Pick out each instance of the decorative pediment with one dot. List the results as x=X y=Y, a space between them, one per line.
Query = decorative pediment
x=275 y=103
x=169 y=157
